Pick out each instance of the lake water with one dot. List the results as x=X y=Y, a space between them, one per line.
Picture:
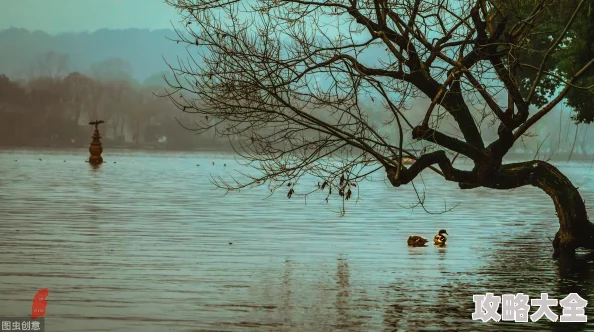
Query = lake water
x=144 y=244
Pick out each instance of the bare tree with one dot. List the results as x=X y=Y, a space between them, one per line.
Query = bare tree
x=78 y=89
x=112 y=69
x=50 y=64
x=289 y=77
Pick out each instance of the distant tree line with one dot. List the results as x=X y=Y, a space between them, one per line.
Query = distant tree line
x=54 y=110
x=51 y=106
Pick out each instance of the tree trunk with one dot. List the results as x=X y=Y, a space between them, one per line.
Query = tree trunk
x=575 y=230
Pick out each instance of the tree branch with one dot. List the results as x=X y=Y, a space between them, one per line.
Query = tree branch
x=447 y=142
x=450 y=173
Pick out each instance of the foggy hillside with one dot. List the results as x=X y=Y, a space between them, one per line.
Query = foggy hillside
x=23 y=52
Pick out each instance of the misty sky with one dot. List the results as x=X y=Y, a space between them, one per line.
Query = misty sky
x=56 y=16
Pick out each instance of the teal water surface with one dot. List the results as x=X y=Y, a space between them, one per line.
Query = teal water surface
x=146 y=244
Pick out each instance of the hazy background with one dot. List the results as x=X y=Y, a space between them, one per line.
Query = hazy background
x=122 y=46
x=58 y=16
x=80 y=29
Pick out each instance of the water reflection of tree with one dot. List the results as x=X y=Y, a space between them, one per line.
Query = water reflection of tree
x=444 y=303
x=343 y=285
x=521 y=266
x=345 y=313
x=529 y=272
x=524 y=267
x=575 y=276
x=286 y=306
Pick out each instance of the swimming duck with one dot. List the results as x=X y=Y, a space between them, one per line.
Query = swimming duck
x=440 y=239
x=416 y=241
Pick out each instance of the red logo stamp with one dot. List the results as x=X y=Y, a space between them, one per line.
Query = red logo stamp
x=39 y=304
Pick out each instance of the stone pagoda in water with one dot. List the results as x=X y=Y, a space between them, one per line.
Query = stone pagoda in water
x=95 y=148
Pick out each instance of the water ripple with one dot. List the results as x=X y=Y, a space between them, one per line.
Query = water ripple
x=145 y=245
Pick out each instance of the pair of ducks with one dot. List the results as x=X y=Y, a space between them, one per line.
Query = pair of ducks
x=439 y=239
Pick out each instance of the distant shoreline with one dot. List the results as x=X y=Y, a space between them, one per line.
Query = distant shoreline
x=107 y=147
x=226 y=149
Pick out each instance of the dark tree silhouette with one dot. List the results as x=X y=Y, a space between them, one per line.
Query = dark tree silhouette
x=289 y=77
